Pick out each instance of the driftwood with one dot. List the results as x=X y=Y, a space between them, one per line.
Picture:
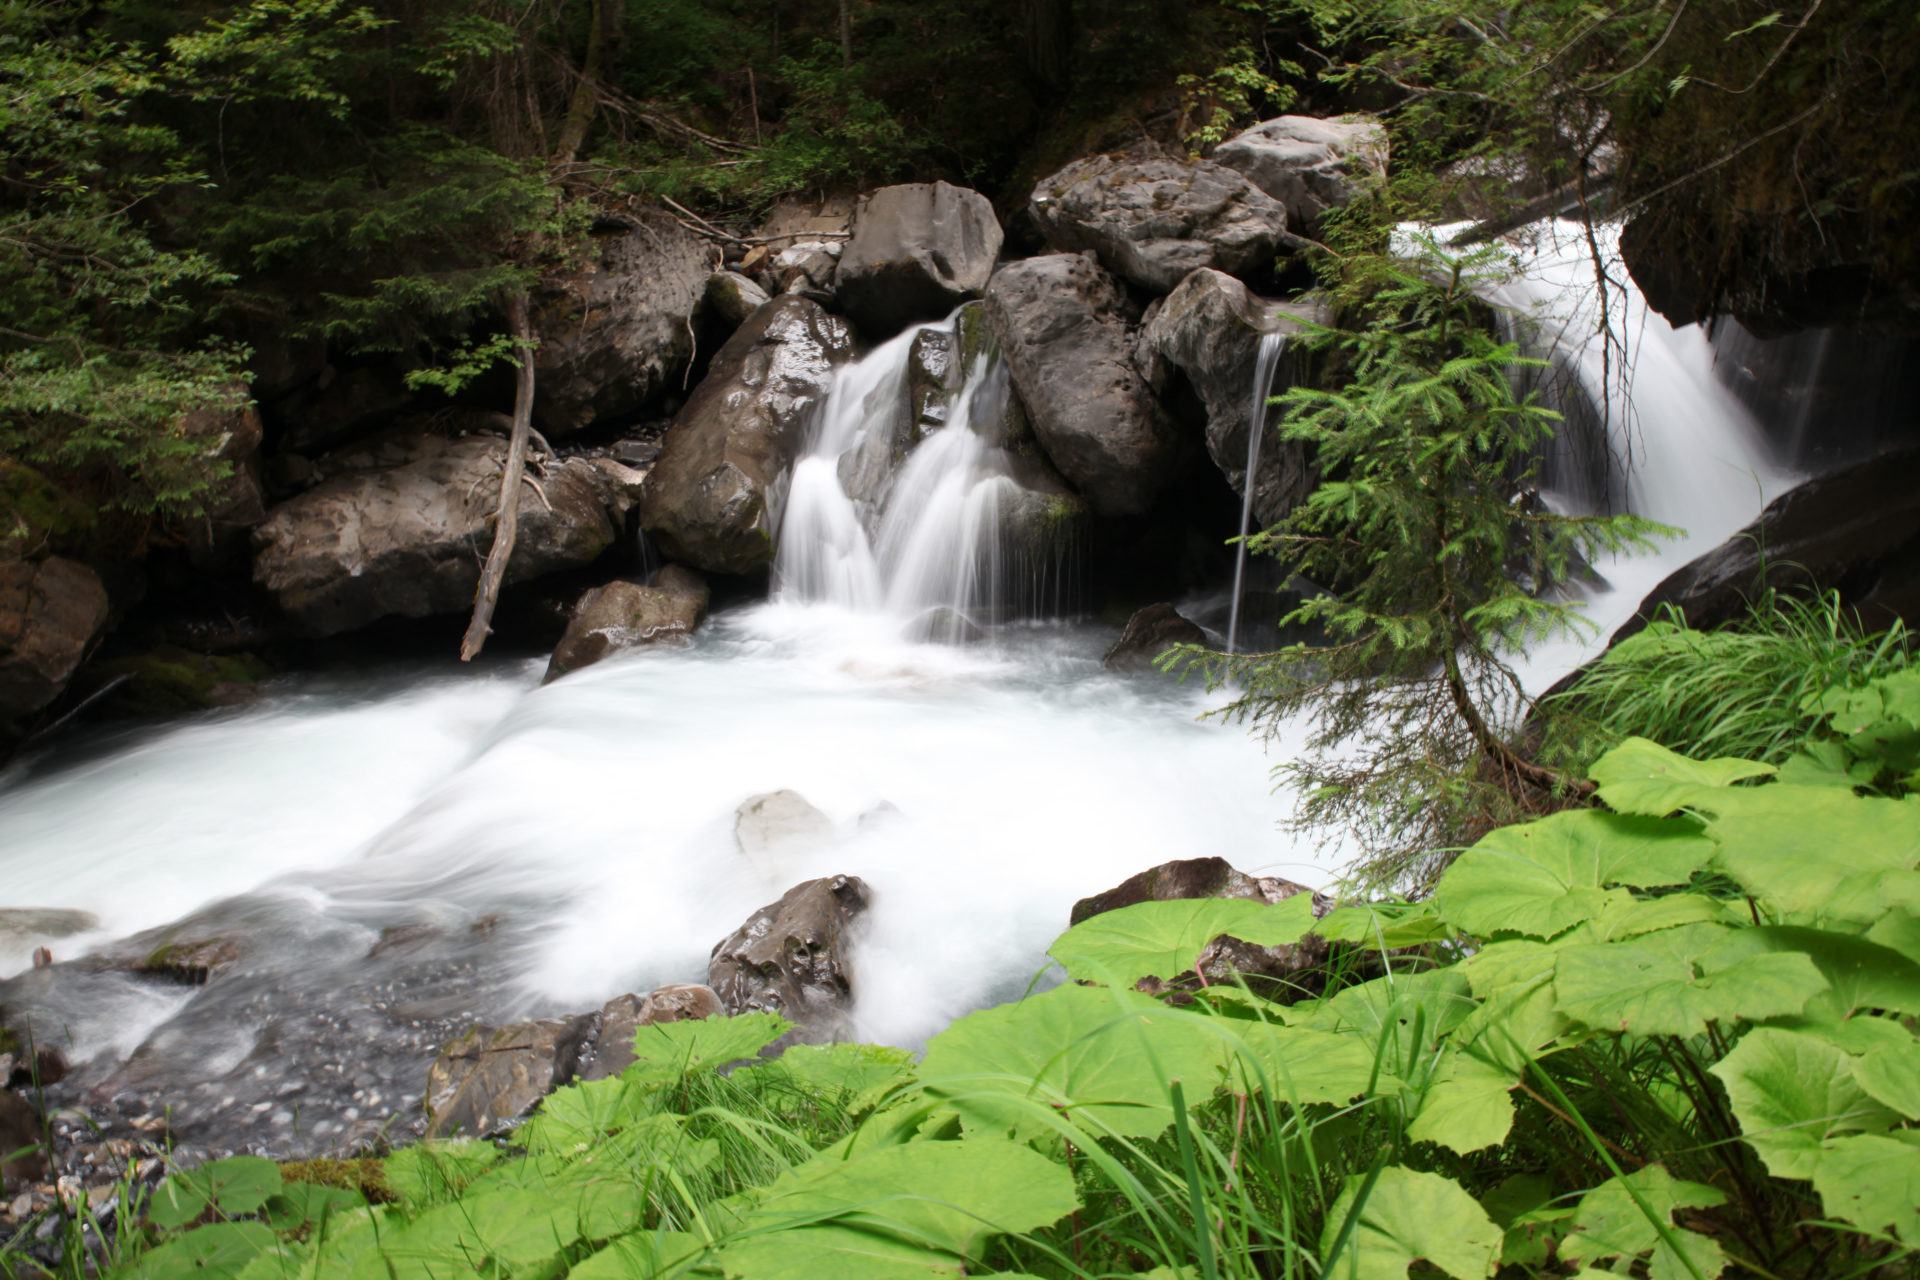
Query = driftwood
x=506 y=523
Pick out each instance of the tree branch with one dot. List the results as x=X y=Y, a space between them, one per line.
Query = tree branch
x=506 y=523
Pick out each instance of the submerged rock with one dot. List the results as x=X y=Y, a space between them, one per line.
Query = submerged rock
x=617 y=334
x=790 y=958
x=624 y=614
x=409 y=539
x=621 y=1016
x=490 y=1077
x=1308 y=164
x=51 y=612
x=707 y=500
x=779 y=821
x=1154 y=221
x=918 y=251
x=1061 y=323
x=1151 y=632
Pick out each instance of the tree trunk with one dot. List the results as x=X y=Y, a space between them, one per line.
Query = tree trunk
x=846 y=34
x=602 y=35
x=506 y=523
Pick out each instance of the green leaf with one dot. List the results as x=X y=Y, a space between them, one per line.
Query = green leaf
x=1299 y=1066
x=1872 y=1182
x=1466 y=1106
x=574 y=1118
x=1891 y=1076
x=640 y=1256
x=217 y=1252
x=1162 y=939
x=1676 y=981
x=1610 y=1224
x=669 y=1050
x=861 y=1072
x=1792 y=1093
x=1818 y=853
x=1409 y=1217
x=1100 y=1056
x=231 y=1187
x=1856 y=1035
x=300 y=1203
x=1860 y=974
x=430 y=1173
x=1642 y=777
x=1545 y=877
x=1385 y=926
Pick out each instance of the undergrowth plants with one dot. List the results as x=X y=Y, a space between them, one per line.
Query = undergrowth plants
x=1672 y=1037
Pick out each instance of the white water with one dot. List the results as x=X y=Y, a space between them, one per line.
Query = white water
x=594 y=816
x=1265 y=361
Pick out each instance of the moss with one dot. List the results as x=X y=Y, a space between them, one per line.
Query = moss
x=170 y=680
x=367 y=1175
x=34 y=510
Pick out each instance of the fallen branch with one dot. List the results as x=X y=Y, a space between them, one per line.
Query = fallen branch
x=506 y=522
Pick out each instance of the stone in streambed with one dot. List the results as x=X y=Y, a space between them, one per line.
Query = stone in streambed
x=1151 y=632
x=51 y=612
x=789 y=958
x=622 y=615
x=490 y=1077
x=918 y=250
x=1308 y=164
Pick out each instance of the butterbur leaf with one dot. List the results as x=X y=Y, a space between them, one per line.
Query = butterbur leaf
x=1856 y=1035
x=828 y=1249
x=1542 y=878
x=1791 y=1093
x=230 y=1188
x=1610 y=1223
x=669 y=1050
x=1818 y=853
x=1891 y=1076
x=430 y=1173
x=1898 y=931
x=1384 y=925
x=217 y=1252
x=300 y=1203
x=1642 y=777
x=864 y=1071
x=1101 y=1056
x=642 y=1254
x=1296 y=1065
x=1873 y=1182
x=1860 y=974
x=1676 y=981
x=1162 y=939
x=1408 y=1217
x=574 y=1118
x=1466 y=1106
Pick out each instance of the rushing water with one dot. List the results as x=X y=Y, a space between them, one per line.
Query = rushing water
x=400 y=855
x=1265 y=361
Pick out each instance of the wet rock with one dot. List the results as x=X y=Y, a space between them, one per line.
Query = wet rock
x=1282 y=974
x=195 y=961
x=51 y=612
x=621 y=1016
x=706 y=502
x=1210 y=330
x=779 y=822
x=1062 y=325
x=338 y=407
x=409 y=539
x=918 y=251
x=1154 y=221
x=790 y=958
x=22 y=925
x=808 y=268
x=21 y=1135
x=1855 y=531
x=616 y=334
x=1151 y=632
x=490 y=1077
x=1308 y=164
x=170 y=680
x=733 y=297
x=624 y=614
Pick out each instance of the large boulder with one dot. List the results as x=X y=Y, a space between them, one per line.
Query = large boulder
x=624 y=614
x=789 y=958
x=337 y=407
x=51 y=612
x=918 y=251
x=1210 y=329
x=617 y=333
x=1855 y=531
x=1062 y=325
x=731 y=298
x=1308 y=164
x=622 y=1016
x=1154 y=221
x=707 y=501
x=410 y=538
x=1151 y=632
x=1284 y=973
x=490 y=1077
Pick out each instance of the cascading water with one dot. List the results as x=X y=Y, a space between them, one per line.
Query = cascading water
x=1265 y=361
x=393 y=857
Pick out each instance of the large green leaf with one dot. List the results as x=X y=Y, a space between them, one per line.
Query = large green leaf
x=1891 y=1076
x=1610 y=1223
x=217 y=1252
x=1872 y=1182
x=1818 y=853
x=1100 y=1056
x=669 y=1050
x=230 y=1188
x=1676 y=981
x=861 y=1072
x=922 y=1208
x=1409 y=1216
x=572 y=1119
x=1389 y=1010
x=1466 y=1106
x=1298 y=1065
x=1643 y=777
x=1860 y=974
x=639 y=1256
x=430 y=1173
x=1162 y=939
x=1791 y=1093
x=1384 y=925
x=1545 y=877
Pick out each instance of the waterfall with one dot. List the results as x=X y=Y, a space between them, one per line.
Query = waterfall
x=1264 y=363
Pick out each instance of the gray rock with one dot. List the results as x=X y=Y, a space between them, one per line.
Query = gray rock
x=51 y=612
x=918 y=251
x=706 y=502
x=409 y=539
x=1154 y=221
x=490 y=1077
x=1308 y=164
x=237 y=501
x=733 y=297
x=21 y=1137
x=621 y=1016
x=624 y=614
x=616 y=334
x=1061 y=323
x=808 y=268
x=21 y=925
x=779 y=822
x=789 y=958
x=1210 y=330
x=1150 y=632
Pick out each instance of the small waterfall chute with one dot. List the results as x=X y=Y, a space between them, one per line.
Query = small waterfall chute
x=1265 y=362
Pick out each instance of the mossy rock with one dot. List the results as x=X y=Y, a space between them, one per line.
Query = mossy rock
x=170 y=681
x=367 y=1175
x=34 y=511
